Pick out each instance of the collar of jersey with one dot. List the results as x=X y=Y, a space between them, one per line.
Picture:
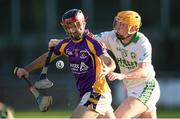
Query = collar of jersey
x=77 y=41
x=134 y=39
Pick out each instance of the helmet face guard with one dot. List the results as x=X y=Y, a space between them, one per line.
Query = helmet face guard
x=74 y=23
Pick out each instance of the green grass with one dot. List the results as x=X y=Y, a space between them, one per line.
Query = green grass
x=36 y=114
x=66 y=114
x=169 y=113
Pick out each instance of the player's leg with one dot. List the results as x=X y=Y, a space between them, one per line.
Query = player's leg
x=130 y=108
x=151 y=103
x=85 y=107
x=83 y=112
x=94 y=104
x=141 y=99
x=108 y=115
x=106 y=111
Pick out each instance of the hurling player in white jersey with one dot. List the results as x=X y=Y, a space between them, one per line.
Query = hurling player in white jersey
x=133 y=53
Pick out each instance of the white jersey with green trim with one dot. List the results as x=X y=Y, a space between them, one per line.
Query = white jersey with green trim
x=129 y=55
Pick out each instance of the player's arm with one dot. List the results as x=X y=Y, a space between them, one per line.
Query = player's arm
x=104 y=38
x=36 y=64
x=53 y=43
x=140 y=73
x=39 y=62
x=144 y=65
x=109 y=64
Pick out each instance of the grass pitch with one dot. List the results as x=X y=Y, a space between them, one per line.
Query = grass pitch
x=66 y=114
x=37 y=114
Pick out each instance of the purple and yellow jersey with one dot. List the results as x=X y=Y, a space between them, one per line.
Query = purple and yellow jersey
x=84 y=62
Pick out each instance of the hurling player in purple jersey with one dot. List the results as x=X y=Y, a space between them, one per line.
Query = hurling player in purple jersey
x=89 y=63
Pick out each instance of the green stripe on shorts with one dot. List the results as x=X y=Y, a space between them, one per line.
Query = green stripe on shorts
x=148 y=89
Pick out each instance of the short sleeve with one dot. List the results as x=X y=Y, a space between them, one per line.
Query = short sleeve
x=145 y=52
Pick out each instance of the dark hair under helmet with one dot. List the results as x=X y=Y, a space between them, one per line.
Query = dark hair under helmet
x=73 y=22
x=71 y=15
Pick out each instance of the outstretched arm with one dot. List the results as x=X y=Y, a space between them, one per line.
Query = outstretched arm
x=36 y=64
x=140 y=73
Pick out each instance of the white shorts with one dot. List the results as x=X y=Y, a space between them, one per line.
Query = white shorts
x=100 y=103
x=148 y=93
